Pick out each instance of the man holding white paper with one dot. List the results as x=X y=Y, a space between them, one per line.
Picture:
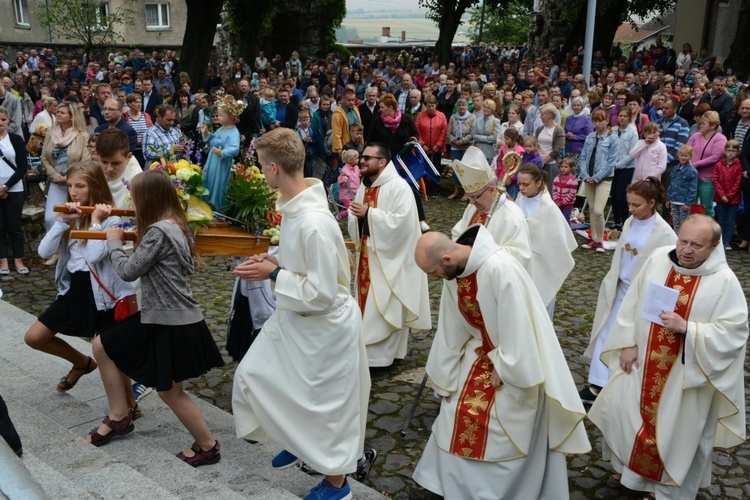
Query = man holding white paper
x=676 y=391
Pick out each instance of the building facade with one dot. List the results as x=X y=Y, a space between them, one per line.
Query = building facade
x=156 y=24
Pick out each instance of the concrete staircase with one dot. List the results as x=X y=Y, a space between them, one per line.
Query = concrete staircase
x=53 y=428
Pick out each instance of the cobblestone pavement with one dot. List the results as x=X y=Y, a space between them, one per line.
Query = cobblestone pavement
x=394 y=389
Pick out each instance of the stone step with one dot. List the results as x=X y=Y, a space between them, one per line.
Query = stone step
x=91 y=469
x=245 y=470
x=55 y=484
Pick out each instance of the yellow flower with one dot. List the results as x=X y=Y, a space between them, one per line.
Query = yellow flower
x=182 y=164
x=153 y=165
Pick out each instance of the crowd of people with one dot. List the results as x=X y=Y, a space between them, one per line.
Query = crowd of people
x=650 y=132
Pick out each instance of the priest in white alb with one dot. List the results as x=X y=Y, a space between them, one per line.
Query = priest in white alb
x=509 y=408
x=304 y=381
x=489 y=206
x=676 y=390
x=390 y=288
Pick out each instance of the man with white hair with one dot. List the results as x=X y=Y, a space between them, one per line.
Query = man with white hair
x=414 y=105
x=676 y=377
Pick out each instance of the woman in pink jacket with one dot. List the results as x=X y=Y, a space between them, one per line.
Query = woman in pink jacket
x=708 y=146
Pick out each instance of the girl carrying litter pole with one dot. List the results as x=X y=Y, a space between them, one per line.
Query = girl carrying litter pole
x=168 y=341
x=82 y=307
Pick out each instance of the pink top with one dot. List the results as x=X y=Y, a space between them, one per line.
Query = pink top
x=650 y=160
x=498 y=160
x=349 y=176
x=706 y=153
x=564 y=189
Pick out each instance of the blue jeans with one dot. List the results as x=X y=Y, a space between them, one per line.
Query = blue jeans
x=725 y=215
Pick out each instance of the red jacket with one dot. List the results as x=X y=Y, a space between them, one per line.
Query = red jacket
x=432 y=131
x=726 y=180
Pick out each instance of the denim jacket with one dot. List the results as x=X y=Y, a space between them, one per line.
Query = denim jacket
x=606 y=156
x=628 y=139
x=96 y=254
x=683 y=185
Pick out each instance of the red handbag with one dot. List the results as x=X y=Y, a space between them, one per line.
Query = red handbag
x=125 y=307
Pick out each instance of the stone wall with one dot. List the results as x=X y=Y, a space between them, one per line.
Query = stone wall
x=65 y=52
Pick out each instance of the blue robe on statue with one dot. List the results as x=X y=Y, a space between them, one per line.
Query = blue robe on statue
x=217 y=169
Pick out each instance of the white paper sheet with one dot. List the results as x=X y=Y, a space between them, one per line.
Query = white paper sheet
x=659 y=299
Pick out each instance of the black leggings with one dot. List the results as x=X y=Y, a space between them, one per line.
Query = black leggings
x=620 y=183
x=11 y=209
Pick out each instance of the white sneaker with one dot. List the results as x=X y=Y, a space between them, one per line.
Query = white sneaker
x=423 y=225
x=52 y=260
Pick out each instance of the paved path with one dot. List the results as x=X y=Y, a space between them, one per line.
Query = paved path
x=393 y=389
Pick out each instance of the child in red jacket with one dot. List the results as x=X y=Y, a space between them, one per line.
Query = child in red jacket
x=726 y=181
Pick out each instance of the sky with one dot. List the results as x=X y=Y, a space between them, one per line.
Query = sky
x=383 y=5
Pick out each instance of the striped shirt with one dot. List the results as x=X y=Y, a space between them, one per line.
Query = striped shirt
x=139 y=126
x=674 y=134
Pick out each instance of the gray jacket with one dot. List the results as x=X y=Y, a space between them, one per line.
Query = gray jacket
x=13 y=105
x=95 y=253
x=163 y=262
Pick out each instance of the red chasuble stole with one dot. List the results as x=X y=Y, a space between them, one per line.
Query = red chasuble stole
x=478 y=218
x=363 y=278
x=474 y=407
x=664 y=346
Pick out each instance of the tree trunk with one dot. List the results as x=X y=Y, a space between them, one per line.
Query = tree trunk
x=563 y=23
x=739 y=55
x=198 y=41
x=607 y=22
x=449 y=23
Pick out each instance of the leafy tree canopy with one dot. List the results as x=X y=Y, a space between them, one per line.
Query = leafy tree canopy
x=88 y=22
x=508 y=23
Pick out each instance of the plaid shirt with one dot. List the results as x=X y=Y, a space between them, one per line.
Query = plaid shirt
x=158 y=142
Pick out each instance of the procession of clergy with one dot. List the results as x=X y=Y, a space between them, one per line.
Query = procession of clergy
x=510 y=411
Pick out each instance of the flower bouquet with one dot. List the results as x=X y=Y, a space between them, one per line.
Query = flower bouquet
x=250 y=200
x=187 y=179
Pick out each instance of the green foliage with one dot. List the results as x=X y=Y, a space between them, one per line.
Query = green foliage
x=89 y=22
x=503 y=24
x=248 y=201
x=337 y=47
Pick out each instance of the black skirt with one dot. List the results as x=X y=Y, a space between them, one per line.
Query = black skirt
x=240 y=334
x=75 y=312
x=158 y=355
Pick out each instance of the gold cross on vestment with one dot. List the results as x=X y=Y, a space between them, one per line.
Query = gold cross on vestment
x=631 y=249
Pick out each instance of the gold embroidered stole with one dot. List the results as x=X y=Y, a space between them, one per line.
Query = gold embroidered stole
x=473 y=411
x=363 y=279
x=478 y=218
x=664 y=346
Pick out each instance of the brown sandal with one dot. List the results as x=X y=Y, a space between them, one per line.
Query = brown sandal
x=64 y=385
x=119 y=428
x=201 y=457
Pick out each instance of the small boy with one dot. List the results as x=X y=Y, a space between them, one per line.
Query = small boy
x=683 y=187
x=356 y=133
x=268 y=109
x=565 y=187
x=726 y=180
x=305 y=132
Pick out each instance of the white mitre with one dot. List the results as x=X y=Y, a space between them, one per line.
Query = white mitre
x=472 y=170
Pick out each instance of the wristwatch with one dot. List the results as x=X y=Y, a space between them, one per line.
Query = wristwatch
x=274 y=274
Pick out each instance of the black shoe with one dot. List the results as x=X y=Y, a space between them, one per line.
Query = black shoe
x=364 y=469
x=587 y=396
x=423 y=494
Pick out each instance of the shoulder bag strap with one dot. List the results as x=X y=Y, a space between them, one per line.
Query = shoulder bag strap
x=111 y=295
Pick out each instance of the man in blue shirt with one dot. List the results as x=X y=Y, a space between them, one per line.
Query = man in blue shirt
x=286 y=112
x=112 y=112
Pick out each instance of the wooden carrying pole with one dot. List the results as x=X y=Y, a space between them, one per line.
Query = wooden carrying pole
x=120 y=212
x=98 y=235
